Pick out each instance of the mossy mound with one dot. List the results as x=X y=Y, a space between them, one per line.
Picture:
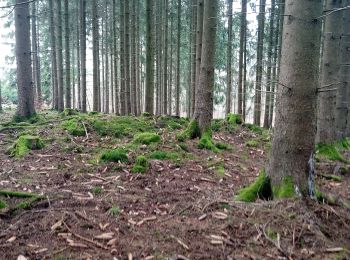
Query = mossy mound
x=141 y=165
x=261 y=188
x=192 y=131
x=252 y=143
x=69 y=112
x=206 y=141
x=30 y=120
x=117 y=155
x=254 y=128
x=74 y=127
x=146 y=138
x=24 y=144
x=234 y=119
x=171 y=122
x=330 y=152
x=162 y=155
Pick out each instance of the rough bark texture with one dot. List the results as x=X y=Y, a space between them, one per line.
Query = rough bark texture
x=25 y=106
x=165 y=62
x=116 y=87
x=259 y=62
x=178 y=53
x=59 y=52
x=53 y=57
x=133 y=60
x=67 y=56
x=95 y=58
x=83 y=53
x=295 y=129
x=106 y=107
x=269 y=67
x=193 y=56
x=78 y=61
x=149 y=100
x=204 y=93
x=241 y=53
x=122 y=60
x=342 y=100
x=229 y=60
x=35 y=55
x=127 y=55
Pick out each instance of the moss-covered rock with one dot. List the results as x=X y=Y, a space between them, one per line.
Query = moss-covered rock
x=24 y=144
x=141 y=165
x=192 y=131
x=74 y=127
x=261 y=188
x=206 y=141
x=146 y=138
x=330 y=152
x=116 y=155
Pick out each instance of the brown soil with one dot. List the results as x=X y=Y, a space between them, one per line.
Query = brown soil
x=177 y=210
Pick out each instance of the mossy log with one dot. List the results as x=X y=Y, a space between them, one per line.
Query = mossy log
x=24 y=144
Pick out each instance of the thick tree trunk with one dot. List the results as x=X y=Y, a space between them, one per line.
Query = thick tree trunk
x=95 y=54
x=67 y=58
x=60 y=56
x=53 y=57
x=149 y=99
x=294 y=137
x=204 y=92
x=242 y=33
x=83 y=53
x=269 y=67
x=342 y=100
x=178 y=57
x=25 y=106
x=259 y=63
x=229 y=59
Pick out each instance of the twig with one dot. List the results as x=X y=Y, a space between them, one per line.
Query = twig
x=86 y=132
x=333 y=11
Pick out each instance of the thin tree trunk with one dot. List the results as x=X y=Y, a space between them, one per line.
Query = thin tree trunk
x=193 y=55
x=53 y=57
x=127 y=56
x=95 y=54
x=259 y=63
x=35 y=54
x=165 y=63
x=244 y=87
x=133 y=59
x=123 y=103
x=294 y=136
x=204 y=101
x=138 y=65
x=0 y=99
x=229 y=60
x=83 y=53
x=78 y=61
x=67 y=58
x=178 y=57
x=25 y=106
x=241 y=61
x=116 y=88
x=60 y=56
x=170 y=89
x=106 y=108
x=199 y=33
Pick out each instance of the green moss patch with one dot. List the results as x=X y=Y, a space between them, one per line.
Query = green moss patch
x=330 y=152
x=141 y=165
x=28 y=199
x=69 y=112
x=261 y=188
x=116 y=155
x=206 y=141
x=24 y=144
x=285 y=190
x=3 y=204
x=74 y=127
x=217 y=124
x=192 y=131
x=234 y=119
x=146 y=138
x=162 y=155
x=17 y=194
x=254 y=128
x=252 y=143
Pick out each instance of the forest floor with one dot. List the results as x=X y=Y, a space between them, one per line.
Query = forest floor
x=183 y=207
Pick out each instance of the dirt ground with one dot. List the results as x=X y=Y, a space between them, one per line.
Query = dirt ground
x=182 y=209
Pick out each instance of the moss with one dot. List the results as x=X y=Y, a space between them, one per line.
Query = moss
x=74 y=127
x=343 y=144
x=146 y=114
x=234 y=119
x=329 y=151
x=17 y=194
x=117 y=155
x=252 y=143
x=96 y=190
x=94 y=113
x=24 y=144
x=206 y=141
x=3 y=204
x=162 y=155
x=28 y=203
x=141 y=165
x=30 y=119
x=184 y=147
x=114 y=211
x=261 y=188
x=216 y=124
x=285 y=190
x=222 y=146
x=254 y=128
x=332 y=177
x=220 y=171
x=69 y=112
x=192 y=131
x=146 y=138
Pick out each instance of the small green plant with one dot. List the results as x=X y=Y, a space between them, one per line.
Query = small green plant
x=222 y=146
x=24 y=144
x=141 y=165
x=216 y=124
x=114 y=211
x=146 y=138
x=96 y=190
x=252 y=143
x=74 y=127
x=116 y=155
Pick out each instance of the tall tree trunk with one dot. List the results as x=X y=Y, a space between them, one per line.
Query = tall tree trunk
x=269 y=67
x=171 y=70
x=342 y=100
x=106 y=108
x=158 y=55
x=123 y=103
x=53 y=57
x=116 y=88
x=178 y=57
x=60 y=56
x=0 y=100
x=165 y=63
x=241 y=53
x=204 y=96
x=229 y=60
x=245 y=61
x=78 y=60
x=127 y=56
x=83 y=53
x=133 y=59
x=193 y=55
x=25 y=106
x=294 y=137
x=199 y=33
x=67 y=58
x=259 y=62
x=149 y=100
x=95 y=56
x=138 y=65
x=35 y=52
x=330 y=74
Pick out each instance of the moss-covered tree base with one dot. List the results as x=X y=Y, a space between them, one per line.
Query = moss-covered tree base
x=24 y=144
x=263 y=189
x=206 y=141
x=192 y=131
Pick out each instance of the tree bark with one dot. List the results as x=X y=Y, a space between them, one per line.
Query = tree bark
x=116 y=87
x=229 y=59
x=95 y=54
x=178 y=57
x=127 y=56
x=133 y=59
x=35 y=55
x=83 y=53
x=193 y=55
x=53 y=57
x=165 y=63
x=242 y=33
x=25 y=106
x=106 y=108
x=67 y=58
x=204 y=92
x=123 y=104
x=59 y=52
x=294 y=137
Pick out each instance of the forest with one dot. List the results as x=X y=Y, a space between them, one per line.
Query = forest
x=174 y=129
